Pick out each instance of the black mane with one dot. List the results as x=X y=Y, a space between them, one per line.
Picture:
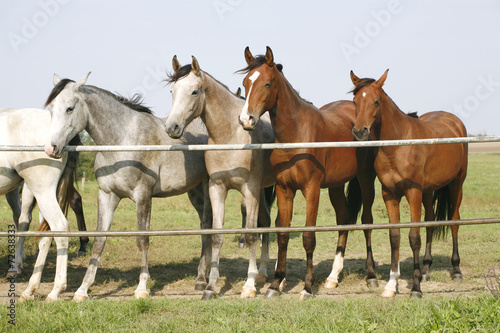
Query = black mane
x=135 y=103
x=362 y=83
x=176 y=76
x=57 y=90
x=257 y=62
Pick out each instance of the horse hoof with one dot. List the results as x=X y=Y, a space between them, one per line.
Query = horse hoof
x=426 y=278
x=329 y=284
x=260 y=278
x=458 y=278
x=372 y=283
x=200 y=286
x=141 y=294
x=282 y=285
x=272 y=293
x=305 y=295
x=388 y=293
x=50 y=300
x=416 y=294
x=25 y=297
x=80 y=298
x=208 y=294
x=248 y=293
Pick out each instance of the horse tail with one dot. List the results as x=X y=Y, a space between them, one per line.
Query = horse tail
x=354 y=200
x=66 y=186
x=270 y=194
x=441 y=206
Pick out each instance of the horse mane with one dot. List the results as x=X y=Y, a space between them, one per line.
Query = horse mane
x=57 y=90
x=185 y=70
x=366 y=82
x=257 y=62
x=362 y=83
x=135 y=103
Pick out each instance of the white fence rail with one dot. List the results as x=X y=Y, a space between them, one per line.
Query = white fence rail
x=254 y=147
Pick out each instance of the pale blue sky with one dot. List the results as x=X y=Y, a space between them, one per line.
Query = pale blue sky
x=442 y=55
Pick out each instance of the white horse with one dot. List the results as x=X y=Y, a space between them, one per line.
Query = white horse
x=27 y=127
x=197 y=94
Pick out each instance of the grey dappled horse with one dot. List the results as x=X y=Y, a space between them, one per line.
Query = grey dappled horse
x=139 y=175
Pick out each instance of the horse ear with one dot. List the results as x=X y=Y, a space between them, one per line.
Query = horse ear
x=380 y=82
x=176 y=64
x=81 y=82
x=248 y=55
x=56 y=79
x=355 y=80
x=269 y=56
x=195 y=66
x=238 y=92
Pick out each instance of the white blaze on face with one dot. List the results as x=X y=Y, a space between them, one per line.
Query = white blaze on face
x=364 y=94
x=244 y=116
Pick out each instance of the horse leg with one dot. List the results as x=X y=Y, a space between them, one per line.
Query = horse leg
x=77 y=207
x=107 y=203
x=51 y=210
x=200 y=200
x=264 y=221
x=251 y=197
x=241 y=242
x=309 y=238
x=143 y=206
x=338 y=201
x=429 y=216
x=414 y=197
x=455 y=200
x=218 y=194
x=34 y=282
x=285 y=198
x=391 y=201
x=366 y=181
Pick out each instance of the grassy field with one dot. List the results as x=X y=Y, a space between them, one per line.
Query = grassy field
x=175 y=306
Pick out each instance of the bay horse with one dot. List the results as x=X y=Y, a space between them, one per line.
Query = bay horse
x=196 y=93
x=423 y=174
x=308 y=170
x=43 y=176
x=114 y=120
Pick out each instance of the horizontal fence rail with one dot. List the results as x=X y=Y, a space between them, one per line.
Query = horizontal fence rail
x=254 y=146
x=247 y=231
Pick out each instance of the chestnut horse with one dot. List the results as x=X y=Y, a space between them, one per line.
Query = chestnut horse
x=423 y=174
x=308 y=170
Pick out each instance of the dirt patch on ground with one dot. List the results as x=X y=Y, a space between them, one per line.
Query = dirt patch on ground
x=484 y=147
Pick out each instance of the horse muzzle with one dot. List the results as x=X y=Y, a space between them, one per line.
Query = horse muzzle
x=362 y=134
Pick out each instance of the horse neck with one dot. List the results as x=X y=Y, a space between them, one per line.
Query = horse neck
x=393 y=122
x=288 y=116
x=221 y=111
x=108 y=118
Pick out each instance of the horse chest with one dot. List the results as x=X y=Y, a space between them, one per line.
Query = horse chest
x=296 y=170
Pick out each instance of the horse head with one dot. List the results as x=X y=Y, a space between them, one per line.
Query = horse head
x=69 y=113
x=260 y=88
x=188 y=96
x=368 y=95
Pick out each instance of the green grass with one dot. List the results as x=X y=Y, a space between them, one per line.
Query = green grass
x=175 y=306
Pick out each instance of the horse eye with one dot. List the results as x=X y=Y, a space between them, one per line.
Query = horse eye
x=70 y=109
x=377 y=103
x=268 y=85
x=194 y=93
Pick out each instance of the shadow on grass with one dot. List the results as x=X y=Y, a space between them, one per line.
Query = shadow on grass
x=233 y=270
